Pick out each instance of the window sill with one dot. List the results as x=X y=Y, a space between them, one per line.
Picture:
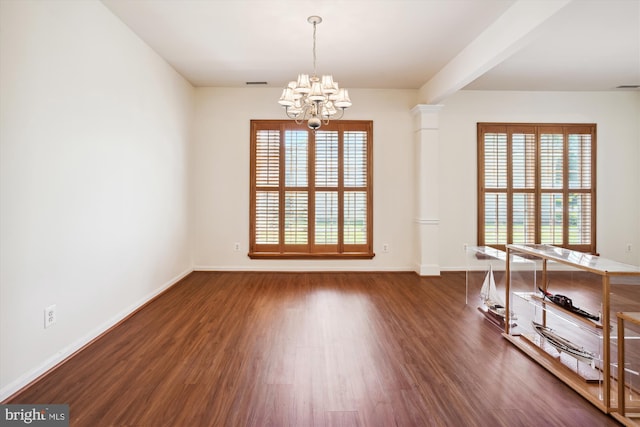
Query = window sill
x=318 y=256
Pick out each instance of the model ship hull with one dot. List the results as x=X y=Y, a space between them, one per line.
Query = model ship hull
x=563 y=345
x=567 y=304
x=496 y=314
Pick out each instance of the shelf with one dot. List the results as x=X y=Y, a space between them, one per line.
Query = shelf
x=584 y=371
x=566 y=312
x=611 y=285
x=589 y=390
x=587 y=262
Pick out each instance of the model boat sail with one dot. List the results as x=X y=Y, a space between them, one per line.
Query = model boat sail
x=563 y=345
x=494 y=307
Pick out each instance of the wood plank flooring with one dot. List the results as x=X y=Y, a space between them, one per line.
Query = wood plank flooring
x=310 y=349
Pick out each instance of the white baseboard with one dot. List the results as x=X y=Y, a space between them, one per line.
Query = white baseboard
x=301 y=269
x=427 y=269
x=69 y=350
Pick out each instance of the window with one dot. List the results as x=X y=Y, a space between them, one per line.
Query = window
x=311 y=192
x=537 y=185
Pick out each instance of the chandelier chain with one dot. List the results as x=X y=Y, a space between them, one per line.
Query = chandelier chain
x=314 y=48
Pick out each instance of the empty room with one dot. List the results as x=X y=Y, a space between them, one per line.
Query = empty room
x=320 y=213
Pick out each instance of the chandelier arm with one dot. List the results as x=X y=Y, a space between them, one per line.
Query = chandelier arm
x=338 y=117
x=286 y=110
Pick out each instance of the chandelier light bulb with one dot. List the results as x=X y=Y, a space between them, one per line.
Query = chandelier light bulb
x=316 y=100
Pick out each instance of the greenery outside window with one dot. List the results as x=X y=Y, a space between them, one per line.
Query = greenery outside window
x=311 y=192
x=537 y=185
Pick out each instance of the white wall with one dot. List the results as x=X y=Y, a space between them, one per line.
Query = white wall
x=618 y=158
x=222 y=156
x=94 y=140
x=221 y=190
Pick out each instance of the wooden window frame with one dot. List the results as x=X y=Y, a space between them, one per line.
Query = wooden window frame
x=310 y=250
x=538 y=129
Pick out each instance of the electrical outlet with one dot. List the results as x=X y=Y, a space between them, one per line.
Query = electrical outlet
x=50 y=315
x=236 y=246
x=629 y=248
x=385 y=247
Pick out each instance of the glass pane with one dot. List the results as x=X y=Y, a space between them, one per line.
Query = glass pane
x=551 y=219
x=579 y=161
x=355 y=159
x=267 y=207
x=523 y=159
x=495 y=160
x=326 y=221
x=296 y=216
x=579 y=219
x=551 y=161
x=355 y=217
x=267 y=158
x=326 y=159
x=495 y=218
x=296 y=158
x=524 y=218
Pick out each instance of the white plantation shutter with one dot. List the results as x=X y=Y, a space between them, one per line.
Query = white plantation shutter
x=552 y=172
x=580 y=213
x=355 y=217
x=524 y=218
x=495 y=218
x=267 y=158
x=495 y=184
x=296 y=158
x=551 y=216
x=523 y=178
x=551 y=161
x=311 y=192
x=580 y=218
x=267 y=217
x=326 y=218
x=495 y=161
x=355 y=179
x=296 y=192
x=326 y=159
x=267 y=173
x=537 y=185
x=326 y=176
x=296 y=217
x=355 y=159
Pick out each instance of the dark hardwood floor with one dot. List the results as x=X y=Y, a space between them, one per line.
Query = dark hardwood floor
x=310 y=349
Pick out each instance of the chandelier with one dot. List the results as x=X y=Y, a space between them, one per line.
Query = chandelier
x=316 y=100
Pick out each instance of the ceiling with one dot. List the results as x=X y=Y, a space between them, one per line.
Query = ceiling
x=581 y=45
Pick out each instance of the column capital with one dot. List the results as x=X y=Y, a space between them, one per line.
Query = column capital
x=426 y=116
x=427 y=108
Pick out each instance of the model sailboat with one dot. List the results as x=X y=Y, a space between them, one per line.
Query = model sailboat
x=494 y=308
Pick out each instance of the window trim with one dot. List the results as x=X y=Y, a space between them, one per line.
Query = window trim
x=538 y=129
x=310 y=250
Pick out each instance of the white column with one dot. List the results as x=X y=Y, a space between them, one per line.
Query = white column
x=427 y=222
